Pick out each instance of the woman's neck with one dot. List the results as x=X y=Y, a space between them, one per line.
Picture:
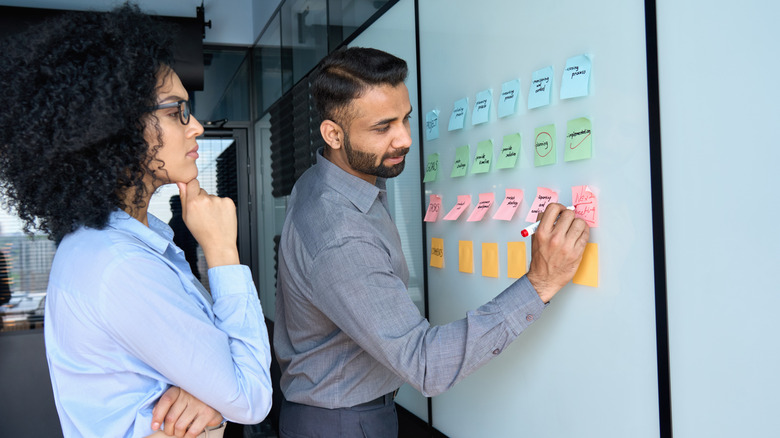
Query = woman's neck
x=132 y=208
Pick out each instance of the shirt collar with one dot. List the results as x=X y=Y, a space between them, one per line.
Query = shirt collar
x=158 y=235
x=358 y=191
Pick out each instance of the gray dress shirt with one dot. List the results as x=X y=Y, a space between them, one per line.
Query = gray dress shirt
x=346 y=330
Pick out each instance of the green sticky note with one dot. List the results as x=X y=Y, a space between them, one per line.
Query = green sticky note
x=432 y=168
x=461 y=165
x=509 y=152
x=483 y=157
x=579 y=141
x=544 y=145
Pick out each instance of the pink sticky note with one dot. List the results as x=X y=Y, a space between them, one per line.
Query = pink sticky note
x=511 y=202
x=485 y=201
x=585 y=205
x=464 y=202
x=433 y=209
x=544 y=196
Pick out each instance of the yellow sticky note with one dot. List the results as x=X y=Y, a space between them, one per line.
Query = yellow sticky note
x=515 y=260
x=437 y=252
x=588 y=272
x=466 y=256
x=490 y=260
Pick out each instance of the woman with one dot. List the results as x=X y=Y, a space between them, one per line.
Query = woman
x=94 y=121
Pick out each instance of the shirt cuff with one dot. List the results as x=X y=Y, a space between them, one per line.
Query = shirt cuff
x=231 y=280
x=521 y=305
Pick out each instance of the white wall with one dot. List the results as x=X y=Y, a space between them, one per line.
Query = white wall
x=719 y=113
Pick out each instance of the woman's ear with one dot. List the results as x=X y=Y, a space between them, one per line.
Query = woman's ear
x=331 y=133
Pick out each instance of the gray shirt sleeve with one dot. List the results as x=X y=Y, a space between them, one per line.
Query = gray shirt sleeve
x=353 y=284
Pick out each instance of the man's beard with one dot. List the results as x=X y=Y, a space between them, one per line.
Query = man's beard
x=364 y=161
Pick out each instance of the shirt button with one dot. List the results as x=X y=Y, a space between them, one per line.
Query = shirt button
x=529 y=318
x=496 y=351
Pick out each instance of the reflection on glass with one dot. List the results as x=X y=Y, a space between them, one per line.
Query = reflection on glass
x=225 y=92
x=217 y=175
x=346 y=16
x=268 y=67
x=304 y=34
x=25 y=263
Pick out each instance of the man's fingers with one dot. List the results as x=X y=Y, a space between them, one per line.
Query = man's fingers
x=550 y=216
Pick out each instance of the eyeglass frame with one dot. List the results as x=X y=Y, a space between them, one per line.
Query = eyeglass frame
x=185 y=120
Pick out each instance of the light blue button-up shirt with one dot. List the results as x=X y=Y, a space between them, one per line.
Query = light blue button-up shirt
x=126 y=318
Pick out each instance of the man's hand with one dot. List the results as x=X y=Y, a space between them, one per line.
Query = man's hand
x=556 y=250
x=183 y=414
x=212 y=221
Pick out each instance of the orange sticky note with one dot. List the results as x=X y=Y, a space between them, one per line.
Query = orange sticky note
x=588 y=272
x=437 y=252
x=466 y=256
x=490 y=260
x=515 y=259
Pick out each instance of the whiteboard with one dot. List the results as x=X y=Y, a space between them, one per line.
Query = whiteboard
x=587 y=368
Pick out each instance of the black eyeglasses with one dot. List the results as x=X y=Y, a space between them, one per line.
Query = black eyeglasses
x=185 y=109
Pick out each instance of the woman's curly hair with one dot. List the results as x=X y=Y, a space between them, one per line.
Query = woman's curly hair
x=77 y=95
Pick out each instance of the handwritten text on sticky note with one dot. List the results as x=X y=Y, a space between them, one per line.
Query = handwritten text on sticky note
x=483 y=157
x=586 y=205
x=544 y=196
x=541 y=88
x=432 y=125
x=508 y=100
x=485 y=201
x=458 y=116
x=461 y=164
x=434 y=206
x=432 y=168
x=437 y=252
x=510 y=205
x=464 y=202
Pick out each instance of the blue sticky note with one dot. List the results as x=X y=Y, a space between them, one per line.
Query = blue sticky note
x=458 y=116
x=541 y=88
x=432 y=125
x=507 y=102
x=482 y=107
x=576 y=77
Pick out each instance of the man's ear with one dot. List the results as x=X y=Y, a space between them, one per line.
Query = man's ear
x=331 y=133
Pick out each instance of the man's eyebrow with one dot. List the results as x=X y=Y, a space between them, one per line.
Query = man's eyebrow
x=390 y=120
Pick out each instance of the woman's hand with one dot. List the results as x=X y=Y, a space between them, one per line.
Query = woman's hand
x=182 y=414
x=212 y=221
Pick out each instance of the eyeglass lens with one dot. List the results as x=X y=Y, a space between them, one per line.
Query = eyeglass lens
x=184 y=111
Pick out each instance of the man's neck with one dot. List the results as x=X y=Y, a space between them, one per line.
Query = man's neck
x=339 y=158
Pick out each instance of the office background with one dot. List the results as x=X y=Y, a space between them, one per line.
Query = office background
x=711 y=111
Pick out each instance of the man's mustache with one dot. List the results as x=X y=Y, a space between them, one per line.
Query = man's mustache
x=400 y=153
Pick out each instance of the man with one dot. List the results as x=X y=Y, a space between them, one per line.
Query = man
x=347 y=335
